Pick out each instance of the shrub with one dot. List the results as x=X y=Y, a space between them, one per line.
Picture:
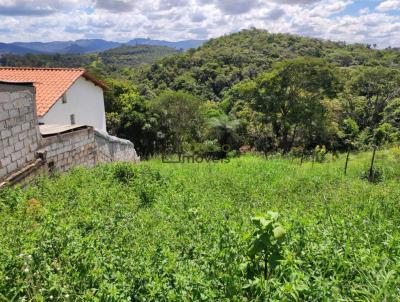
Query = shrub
x=266 y=242
x=320 y=154
x=124 y=172
x=375 y=175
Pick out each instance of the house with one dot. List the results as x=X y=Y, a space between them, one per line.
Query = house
x=64 y=96
x=28 y=149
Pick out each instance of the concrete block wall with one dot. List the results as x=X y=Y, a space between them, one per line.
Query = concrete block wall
x=19 y=133
x=111 y=148
x=72 y=149
x=24 y=153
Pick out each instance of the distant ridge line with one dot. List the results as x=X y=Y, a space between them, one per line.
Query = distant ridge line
x=84 y=46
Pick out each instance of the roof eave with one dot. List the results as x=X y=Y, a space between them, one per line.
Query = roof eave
x=95 y=81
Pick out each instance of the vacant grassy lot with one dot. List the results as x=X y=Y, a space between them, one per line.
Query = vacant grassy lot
x=181 y=232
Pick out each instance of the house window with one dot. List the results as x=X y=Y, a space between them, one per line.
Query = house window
x=64 y=99
x=72 y=117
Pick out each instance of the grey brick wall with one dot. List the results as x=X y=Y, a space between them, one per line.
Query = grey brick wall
x=65 y=151
x=111 y=148
x=19 y=134
x=22 y=145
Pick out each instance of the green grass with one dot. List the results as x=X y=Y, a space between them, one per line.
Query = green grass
x=181 y=232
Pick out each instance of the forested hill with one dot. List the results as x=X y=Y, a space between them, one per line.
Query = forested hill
x=273 y=92
x=124 y=56
x=217 y=65
x=132 y=56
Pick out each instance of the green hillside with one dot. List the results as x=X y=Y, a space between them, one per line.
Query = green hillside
x=220 y=63
x=132 y=56
x=272 y=92
x=109 y=60
x=184 y=232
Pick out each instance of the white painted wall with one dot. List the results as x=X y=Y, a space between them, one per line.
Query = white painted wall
x=85 y=100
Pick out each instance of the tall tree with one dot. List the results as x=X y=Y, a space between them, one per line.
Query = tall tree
x=377 y=87
x=223 y=128
x=179 y=119
x=129 y=116
x=292 y=99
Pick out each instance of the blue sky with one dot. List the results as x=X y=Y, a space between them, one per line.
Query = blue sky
x=365 y=21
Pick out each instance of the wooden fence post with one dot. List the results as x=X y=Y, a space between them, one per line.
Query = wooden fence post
x=313 y=158
x=371 y=169
x=347 y=162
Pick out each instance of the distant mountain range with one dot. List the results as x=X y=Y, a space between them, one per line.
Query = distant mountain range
x=15 y=49
x=117 y=57
x=179 y=45
x=87 y=46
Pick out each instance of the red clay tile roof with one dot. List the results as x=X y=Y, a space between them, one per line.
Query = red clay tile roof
x=50 y=83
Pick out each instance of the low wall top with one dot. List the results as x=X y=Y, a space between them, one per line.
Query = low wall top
x=111 y=138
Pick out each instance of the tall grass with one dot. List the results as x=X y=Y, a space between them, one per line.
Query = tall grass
x=181 y=232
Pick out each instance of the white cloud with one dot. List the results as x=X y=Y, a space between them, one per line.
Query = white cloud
x=114 y=5
x=297 y=1
x=36 y=7
x=237 y=7
x=388 y=5
x=329 y=7
x=122 y=20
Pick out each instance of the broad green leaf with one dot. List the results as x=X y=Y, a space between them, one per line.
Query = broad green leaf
x=279 y=232
x=273 y=215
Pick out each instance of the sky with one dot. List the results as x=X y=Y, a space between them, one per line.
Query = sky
x=364 y=21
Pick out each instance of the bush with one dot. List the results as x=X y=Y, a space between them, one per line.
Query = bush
x=320 y=154
x=124 y=173
x=374 y=176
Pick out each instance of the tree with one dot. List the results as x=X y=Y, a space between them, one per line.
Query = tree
x=377 y=86
x=348 y=133
x=384 y=134
x=291 y=97
x=392 y=115
x=129 y=116
x=223 y=128
x=179 y=119
x=370 y=98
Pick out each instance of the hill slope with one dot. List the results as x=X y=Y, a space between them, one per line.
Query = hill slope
x=123 y=56
x=63 y=47
x=179 y=45
x=15 y=49
x=131 y=56
x=214 y=67
x=85 y=46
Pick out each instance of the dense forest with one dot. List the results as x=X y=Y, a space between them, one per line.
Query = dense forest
x=269 y=92
x=108 y=62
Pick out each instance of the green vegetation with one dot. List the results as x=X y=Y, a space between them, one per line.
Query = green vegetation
x=269 y=92
x=195 y=232
x=133 y=56
x=304 y=225
x=284 y=92
x=212 y=69
x=109 y=60
x=39 y=60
